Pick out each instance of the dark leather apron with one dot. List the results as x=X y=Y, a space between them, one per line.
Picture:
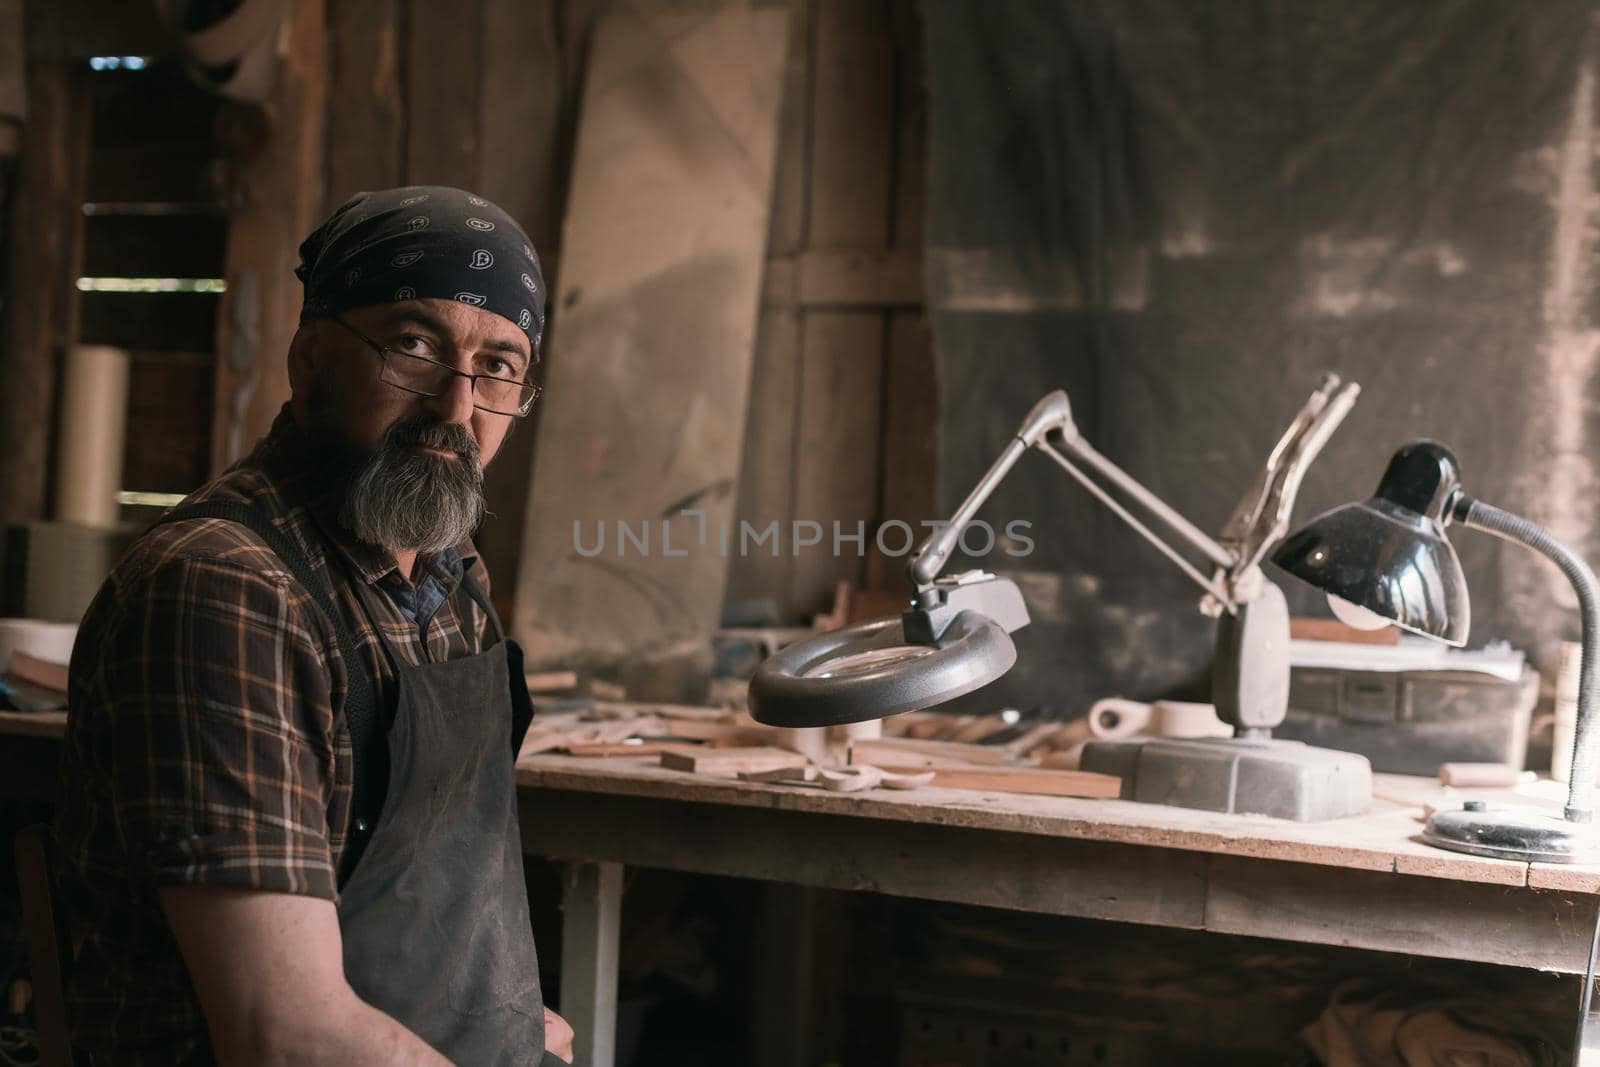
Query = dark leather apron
x=434 y=912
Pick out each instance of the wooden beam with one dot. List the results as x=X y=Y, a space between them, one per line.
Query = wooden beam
x=591 y=926
x=444 y=68
x=758 y=575
x=908 y=443
x=366 y=110
x=792 y=177
x=851 y=138
x=282 y=188
x=71 y=31
x=520 y=122
x=909 y=186
x=836 y=454
x=520 y=115
x=758 y=580
x=835 y=277
x=43 y=250
x=13 y=75
x=783 y=976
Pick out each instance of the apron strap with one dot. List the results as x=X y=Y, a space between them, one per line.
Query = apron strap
x=470 y=587
x=360 y=705
x=517 y=678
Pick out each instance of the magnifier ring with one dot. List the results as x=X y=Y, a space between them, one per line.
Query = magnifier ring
x=868 y=671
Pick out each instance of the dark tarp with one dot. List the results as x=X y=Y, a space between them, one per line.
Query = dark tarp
x=1184 y=212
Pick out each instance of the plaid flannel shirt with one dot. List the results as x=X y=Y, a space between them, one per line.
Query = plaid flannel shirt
x=206 y=743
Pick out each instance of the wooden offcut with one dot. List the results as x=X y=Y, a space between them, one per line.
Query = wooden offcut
x=911 y=751
x=1018 y=780
x=731 y=761
x=603 y=750
x=1479 y=775
x=660 y=278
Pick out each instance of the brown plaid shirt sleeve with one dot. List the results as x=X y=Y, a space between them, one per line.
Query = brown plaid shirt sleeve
x=221 y=730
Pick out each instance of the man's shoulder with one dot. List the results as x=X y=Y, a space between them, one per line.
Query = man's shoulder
x=217 y=542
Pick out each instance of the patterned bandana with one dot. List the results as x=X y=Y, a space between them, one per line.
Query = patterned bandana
x=418 y=242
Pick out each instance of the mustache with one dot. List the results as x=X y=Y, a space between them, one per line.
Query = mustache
x=427 y=432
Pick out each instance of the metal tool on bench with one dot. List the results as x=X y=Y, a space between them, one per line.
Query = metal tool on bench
x=955 y=636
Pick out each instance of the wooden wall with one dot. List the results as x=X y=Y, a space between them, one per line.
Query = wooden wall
x=484 y=94
x=842 y=400
x=480 y=94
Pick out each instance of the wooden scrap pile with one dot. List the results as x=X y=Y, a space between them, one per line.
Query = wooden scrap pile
x=993 y=753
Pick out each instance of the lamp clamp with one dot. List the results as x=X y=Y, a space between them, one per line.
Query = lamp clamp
x=938 y=603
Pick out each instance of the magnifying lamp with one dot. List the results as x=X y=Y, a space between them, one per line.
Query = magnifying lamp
x=1388 y=559
x=954 y=636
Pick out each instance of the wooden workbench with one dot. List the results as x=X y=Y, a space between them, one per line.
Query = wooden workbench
x=1364 y=882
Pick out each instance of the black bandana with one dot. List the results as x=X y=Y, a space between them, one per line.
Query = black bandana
x=419 y=242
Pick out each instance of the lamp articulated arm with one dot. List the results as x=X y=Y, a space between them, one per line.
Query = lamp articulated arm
x=955 y=637
x=1049 y=428
x=1258 y=522
x=1054 y=412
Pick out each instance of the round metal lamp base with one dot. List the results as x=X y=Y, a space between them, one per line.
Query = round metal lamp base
x=1512 y=834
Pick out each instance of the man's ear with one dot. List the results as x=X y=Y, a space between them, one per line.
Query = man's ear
x=305 y=359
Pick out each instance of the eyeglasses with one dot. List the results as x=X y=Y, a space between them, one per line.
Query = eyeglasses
x=429 y=377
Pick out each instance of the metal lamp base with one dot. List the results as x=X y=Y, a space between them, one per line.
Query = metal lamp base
x=1512 y=834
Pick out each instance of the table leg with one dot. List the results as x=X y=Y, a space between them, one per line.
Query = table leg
x=590 y=924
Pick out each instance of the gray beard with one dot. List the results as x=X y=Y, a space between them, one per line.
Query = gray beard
x=406 y=500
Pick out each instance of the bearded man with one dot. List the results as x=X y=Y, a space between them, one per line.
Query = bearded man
x=288 y=827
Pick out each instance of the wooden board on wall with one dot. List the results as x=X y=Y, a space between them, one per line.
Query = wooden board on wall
x=165 y=389
x=787 y=233
x=836 y=451
x=759 y=574
x=758 y=578
x=283 y=186
x=43 y=246
x=852 y=139
x=443 y=77
x=910 y=127
x=366 y=109
x=909 y=407
x=844 y=248
x=161 y=322
x=522 y=166
x=154 y=246
x=649 y=364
